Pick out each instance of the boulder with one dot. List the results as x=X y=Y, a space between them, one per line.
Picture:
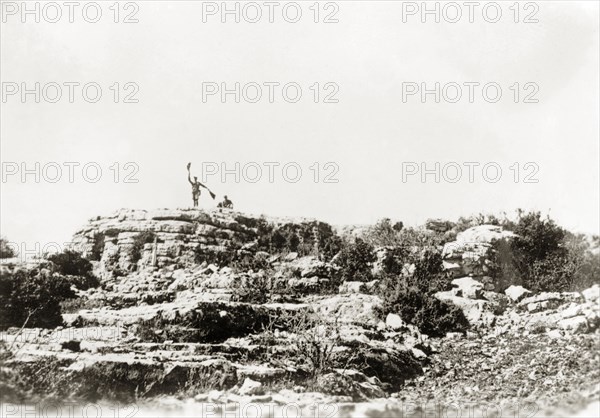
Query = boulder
x=472 y=253
x=517 y=293
x=477 y=312
x=577 y=324
x=394 y=321
x=353 y=307
x=467 y=287
x=250 y=387
x=592 y=294
x=483 y=234
x=466 y=258
x=291 y=256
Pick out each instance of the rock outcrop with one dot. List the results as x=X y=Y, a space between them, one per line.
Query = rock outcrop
x=131 y=240
x=472 y=254
x=177 y=315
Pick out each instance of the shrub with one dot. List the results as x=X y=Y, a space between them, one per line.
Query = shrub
x=32 y=298
x=394 y=260
x=355 y=261
x=465 y=223
x=418 y=239
x=6 y=251
x=431 y=315
x=544 y=257
x=384 y=233
x=212 y=322
x=71 y=263
x=430 y=275
x=412 y=297
x=585 y=253
x=256 y=290
x=537 y=239
x=315 y=341
x=304 y=238
x=218 y=258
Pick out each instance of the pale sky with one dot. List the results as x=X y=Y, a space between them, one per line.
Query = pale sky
x=368 y=134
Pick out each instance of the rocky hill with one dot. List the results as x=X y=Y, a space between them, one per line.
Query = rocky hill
x=198 y=305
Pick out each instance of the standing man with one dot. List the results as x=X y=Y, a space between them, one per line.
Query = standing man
x=196 y=187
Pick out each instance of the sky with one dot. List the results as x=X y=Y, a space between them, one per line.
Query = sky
x=361 y=148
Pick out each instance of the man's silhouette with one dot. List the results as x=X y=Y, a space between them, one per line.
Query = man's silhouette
x=196 y=187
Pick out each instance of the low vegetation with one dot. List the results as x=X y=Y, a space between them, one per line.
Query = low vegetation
x=77 y=269
x=32 y=299
x=355 y=260
x=545 y=257
x=412 y=297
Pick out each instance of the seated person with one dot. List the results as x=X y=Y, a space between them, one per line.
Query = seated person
x=226 y=203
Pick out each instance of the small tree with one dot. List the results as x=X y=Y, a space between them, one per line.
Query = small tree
x=355 y=261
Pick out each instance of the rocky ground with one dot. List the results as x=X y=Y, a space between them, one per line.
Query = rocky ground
x=170 y=332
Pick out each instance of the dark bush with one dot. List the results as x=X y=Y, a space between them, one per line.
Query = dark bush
x=210 y=322
x=418 y=239
x=584 y=252
x=305 y=238
x=429 y=275
x=537 y=239
x=431 y=315
x=412 y=297
x=71 y=345
x=394 y=260
x=465 y=223
x=72 y=264
x=356 y=261
x=437 y=317
x=32 y=298
x=545 y=257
